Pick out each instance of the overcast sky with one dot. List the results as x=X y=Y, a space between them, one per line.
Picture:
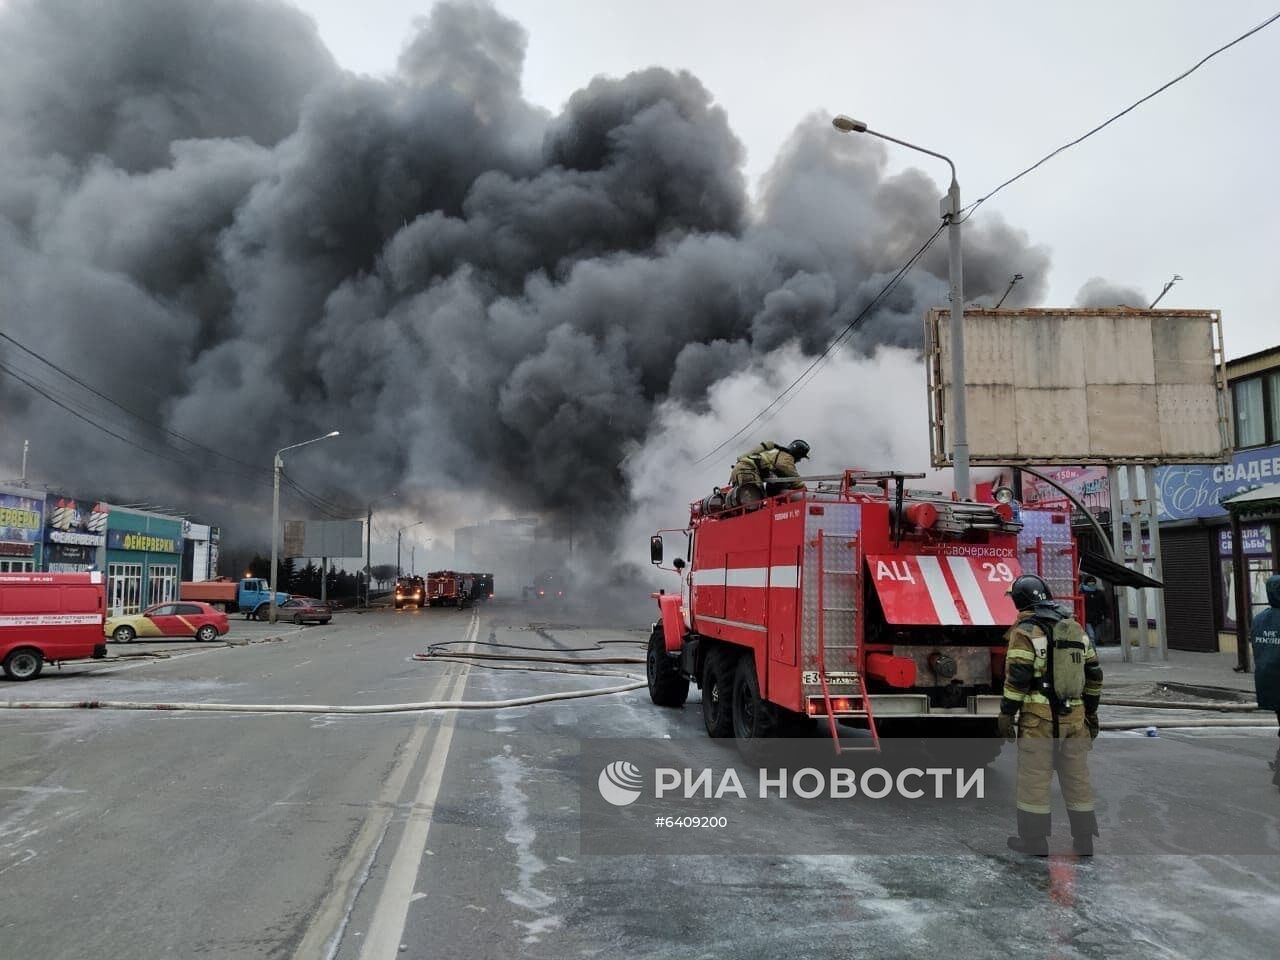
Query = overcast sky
x=1185 y=184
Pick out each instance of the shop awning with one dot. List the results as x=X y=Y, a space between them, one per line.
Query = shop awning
x=1116 y=574
x=935 y=591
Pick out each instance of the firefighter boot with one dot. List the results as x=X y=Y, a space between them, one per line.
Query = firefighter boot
x=1084 y=827
x=1033 y=834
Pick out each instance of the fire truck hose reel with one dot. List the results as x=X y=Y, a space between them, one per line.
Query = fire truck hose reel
x=942 y=665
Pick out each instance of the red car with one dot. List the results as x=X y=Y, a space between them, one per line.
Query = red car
x=186 y=618
x=303 y=610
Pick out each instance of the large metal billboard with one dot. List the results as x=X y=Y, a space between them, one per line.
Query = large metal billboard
x=324 y=538
x=1082 y=386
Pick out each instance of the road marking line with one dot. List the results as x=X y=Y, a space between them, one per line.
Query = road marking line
x=324 y=934
x=389 y=917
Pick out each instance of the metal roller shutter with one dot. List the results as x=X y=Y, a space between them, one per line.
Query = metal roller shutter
x=1188 y=589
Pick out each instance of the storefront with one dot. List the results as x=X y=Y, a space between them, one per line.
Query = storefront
x=21 y=531
x=144 y=560
x=1197 y=547
x=75 y=533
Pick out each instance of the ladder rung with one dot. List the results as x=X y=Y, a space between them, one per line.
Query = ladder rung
x=839 y=609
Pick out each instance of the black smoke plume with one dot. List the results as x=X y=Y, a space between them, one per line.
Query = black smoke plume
x=205 y=218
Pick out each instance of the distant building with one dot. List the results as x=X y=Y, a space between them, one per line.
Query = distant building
x=506 y=548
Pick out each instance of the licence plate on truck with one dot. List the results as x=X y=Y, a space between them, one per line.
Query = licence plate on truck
x=833 y=679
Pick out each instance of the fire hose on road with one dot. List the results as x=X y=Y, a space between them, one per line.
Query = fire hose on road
x=542 y=660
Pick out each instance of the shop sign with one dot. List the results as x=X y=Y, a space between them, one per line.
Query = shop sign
x=81 y=523
x=1089 y=485
x=1255 y=540
x=1186 y=492
x=67 y=553
x=141 y=542
x=20 y=523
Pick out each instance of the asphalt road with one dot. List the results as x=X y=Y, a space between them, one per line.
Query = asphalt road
x=457 y=834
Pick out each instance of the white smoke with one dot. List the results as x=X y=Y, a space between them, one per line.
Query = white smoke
x=860 y=411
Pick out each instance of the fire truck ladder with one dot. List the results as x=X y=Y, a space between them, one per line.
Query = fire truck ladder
x=846 y=587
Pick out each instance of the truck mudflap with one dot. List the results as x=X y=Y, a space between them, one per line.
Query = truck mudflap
x=672 y=618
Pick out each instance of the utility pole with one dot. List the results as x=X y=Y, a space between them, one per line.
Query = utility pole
x=951 y=217
x=1012 y=283
x=277 y=465
x=26 y=445
x=368 y=548
x=413 y=561
x=1167 y=287
x=399 y=534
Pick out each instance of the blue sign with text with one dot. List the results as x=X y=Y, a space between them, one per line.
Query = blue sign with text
x=1192 y=491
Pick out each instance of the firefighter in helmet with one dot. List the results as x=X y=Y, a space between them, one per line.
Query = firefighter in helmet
x=1052 y=685
x=769 y=468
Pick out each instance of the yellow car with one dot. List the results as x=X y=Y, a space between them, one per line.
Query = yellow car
x=185 y=619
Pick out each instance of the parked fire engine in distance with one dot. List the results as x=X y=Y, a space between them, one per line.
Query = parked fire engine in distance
x=445 y=589
x=410 y=592
x=483 y=587
x=50 y=617
x=857 y=601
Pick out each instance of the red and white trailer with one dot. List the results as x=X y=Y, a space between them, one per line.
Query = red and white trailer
x=858 y=600
x=50 y=617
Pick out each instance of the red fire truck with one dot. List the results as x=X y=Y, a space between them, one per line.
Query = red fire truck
x=857 y=600
x=49 y=616
x=444 y=588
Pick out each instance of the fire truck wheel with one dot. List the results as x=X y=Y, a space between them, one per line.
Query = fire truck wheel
x=23 y=664
x=668 y=687
x=753 y=718
x=717 y=693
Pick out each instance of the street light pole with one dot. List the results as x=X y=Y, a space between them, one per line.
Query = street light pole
x=277 y=464
x=399 y=534
x=951 y=216
x=368 y=548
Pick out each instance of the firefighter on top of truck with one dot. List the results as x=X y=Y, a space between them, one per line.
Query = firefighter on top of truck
x=1053 y=683
x=771 y=463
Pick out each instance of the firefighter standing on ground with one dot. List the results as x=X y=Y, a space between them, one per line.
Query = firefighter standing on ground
x=1053 y=683
x=1265 y=639
x=772 y=464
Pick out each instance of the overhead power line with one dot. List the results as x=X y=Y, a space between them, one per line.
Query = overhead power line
x=811 y=370
x=179 y=457
x=115 y=403
x=971 y=208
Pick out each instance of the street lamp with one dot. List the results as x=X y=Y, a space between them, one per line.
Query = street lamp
x=277 y=466
x=368 y=546
x=951 y=215
x=399 y=534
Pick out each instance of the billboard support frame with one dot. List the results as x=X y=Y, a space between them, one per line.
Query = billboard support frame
x=938 y=388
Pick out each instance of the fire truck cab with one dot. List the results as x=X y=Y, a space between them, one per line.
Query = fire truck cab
x=857 y=600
